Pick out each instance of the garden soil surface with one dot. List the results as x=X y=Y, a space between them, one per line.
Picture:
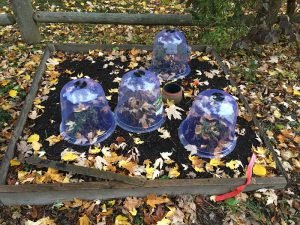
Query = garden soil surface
x=48 y=123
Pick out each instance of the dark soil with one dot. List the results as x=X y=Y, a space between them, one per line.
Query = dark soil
x=154 y=145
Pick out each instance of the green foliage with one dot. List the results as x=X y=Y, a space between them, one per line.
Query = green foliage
x=221 y=37
x=223 y=20
x=231 y=201
x=250 y=72
x=4 y=117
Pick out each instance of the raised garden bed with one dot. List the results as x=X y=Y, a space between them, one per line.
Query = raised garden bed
x=212 y=180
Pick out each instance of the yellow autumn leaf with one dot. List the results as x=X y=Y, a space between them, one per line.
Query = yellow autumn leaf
x=4 y=83
x=164 y=221
x=132 y=65
x=271 y=162
x=173 y=172
x=33 y=138
x=12 y=93
x=121 y=220
x=27 y=77
x=259 y=170
x=149 y=171
x=84 y=220
x=297 y=93
x=54 y=139
x=171 y=212
x=69 y=156
x=259 y=150
x=233 y=164
x=205 y=58
x=113 y=90
x=138 y=141
x=37 y=101
x=94 y=150
x=153 y=200
x=277 y=114
x=36 y=146
x=216 y=162
x=14 y=162
x=54 y=175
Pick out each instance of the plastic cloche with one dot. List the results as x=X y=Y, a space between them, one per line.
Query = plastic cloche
x=170 y=55
x=209 y=128
x=86 y=115
x=140 y=107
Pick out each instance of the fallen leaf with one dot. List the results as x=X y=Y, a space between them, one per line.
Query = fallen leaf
x=234 y=164
x=259 y=170
x=277 y=114
x=173 y=111
x=69 y=156
x=153 y=200
x=84 y=220
x=42 y=221
x=94 y=150
x=13 y=93
x=164 y=221
x=138 y=141
x=164 y=133
x=121 y=220
x=15 y=162
x=173 y=172
x=131 y=203
x=54 y=139
x=33 y=138
x=216 y=162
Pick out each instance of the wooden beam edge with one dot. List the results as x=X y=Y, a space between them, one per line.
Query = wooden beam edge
x=50 y=193
x=7 y=19
x=114 y=18
x=85 y=48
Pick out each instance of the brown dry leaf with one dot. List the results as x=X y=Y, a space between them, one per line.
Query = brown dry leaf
x=197 y=163
x=287 y=133
x=297 y=139
x=153 y=200
x=134 y=51
x=131 y=203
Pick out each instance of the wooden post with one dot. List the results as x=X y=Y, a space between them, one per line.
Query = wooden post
x=23 y=12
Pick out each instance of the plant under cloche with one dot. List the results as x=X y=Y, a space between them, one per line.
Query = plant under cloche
x=209 y=128
x=170 y=55
x=140 y=107
x=86 y=115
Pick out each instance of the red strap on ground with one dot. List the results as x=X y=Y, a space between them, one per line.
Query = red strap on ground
x=242 y=187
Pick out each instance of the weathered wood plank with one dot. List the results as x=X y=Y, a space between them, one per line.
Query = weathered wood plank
x=106 y=175
x=50 y=193
x=6 y=19
x=79 y=48
x=114 y=18
x=9 y=154
x=23 y=12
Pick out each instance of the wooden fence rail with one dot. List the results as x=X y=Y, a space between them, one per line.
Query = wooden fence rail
x=114 y=18
x=27 y=19
x=6 y=19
